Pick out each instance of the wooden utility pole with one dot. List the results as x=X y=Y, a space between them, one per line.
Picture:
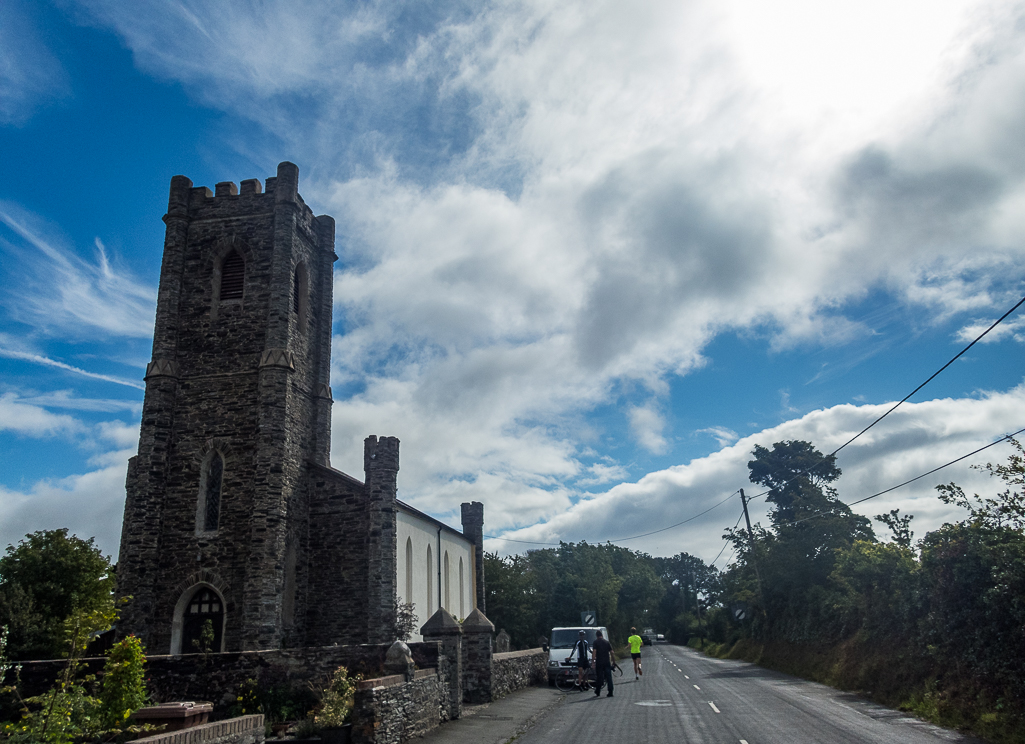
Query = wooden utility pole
x=754 y=560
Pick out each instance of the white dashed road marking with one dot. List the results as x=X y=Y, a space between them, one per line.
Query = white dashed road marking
x=713 y=707
x=696 y=687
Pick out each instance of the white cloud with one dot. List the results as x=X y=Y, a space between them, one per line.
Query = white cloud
x=721 y=434
x=601 y=473
x=912 y=440
x=647 y=424
x=61 y=293
x=31 y=420
x=89 y=505
x=30 y=75
x=592 y=191
x=69 y=400
x=28 y=356
x=1013 y=328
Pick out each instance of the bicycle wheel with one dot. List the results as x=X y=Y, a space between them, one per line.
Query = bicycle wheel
x=617 y=671
x=565 y=680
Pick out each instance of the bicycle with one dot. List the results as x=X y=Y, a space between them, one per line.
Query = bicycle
x=566 y=679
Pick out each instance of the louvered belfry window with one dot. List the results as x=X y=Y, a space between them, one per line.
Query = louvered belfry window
x=233 y=276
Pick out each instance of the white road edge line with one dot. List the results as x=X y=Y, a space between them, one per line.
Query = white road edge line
x=713 y=707
x=686 y=677
x=743 y=741
x=696 y=687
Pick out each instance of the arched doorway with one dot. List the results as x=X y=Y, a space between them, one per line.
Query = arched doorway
x=204 y=613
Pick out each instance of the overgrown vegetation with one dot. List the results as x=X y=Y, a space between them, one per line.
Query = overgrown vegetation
x=528 y=595
x=44 y=580
x=935 y=626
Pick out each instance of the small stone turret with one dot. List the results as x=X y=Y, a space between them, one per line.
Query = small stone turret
x=381 y=466
x=473 y=528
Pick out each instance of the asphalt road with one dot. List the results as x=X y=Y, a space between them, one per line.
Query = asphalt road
x=685 y=696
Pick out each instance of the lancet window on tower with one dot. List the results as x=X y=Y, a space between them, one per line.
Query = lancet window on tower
x=208 y=513
x=233 y=276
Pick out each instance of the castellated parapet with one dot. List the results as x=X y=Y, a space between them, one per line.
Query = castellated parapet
x=234 y=517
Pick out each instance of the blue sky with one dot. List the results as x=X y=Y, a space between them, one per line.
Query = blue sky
x=591 y=253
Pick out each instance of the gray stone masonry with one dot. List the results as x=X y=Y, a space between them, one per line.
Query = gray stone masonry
x=518 y=669
x=218 y=677
x=246 y=379
x=445 y=629
x=473 y=527
x=243 y=730
x=392 y=710
x=477 y=632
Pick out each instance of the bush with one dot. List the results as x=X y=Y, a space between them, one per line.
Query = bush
x=336 y=704
x=123 y=688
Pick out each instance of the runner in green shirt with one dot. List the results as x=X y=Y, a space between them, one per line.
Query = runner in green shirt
x=635 y=642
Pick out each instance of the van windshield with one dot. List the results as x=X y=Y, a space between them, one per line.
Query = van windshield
x=566 y=638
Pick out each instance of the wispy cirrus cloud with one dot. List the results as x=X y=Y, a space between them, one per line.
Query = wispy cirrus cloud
x=30 y=74
x=62 y=294
x=28 y=356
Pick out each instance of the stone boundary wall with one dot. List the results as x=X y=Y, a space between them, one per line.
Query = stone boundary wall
x=517 y=669
x=244 y=730
x=216 y=678
x=390 y=710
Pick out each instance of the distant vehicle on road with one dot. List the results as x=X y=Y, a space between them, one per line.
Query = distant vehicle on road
x=648 y=635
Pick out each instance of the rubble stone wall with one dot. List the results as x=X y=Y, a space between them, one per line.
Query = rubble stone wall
x=517 y=669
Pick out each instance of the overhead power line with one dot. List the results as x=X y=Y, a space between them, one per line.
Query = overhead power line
x=726 y=543
x=917 y=477
x=632 y=537
x=904 y=399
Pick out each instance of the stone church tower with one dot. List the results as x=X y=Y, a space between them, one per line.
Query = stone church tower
x=234 y=518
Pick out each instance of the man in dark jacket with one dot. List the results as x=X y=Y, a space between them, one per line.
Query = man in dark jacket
x=602 y=663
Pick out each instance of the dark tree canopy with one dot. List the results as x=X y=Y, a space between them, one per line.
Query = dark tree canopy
x=789 y=468
x=43 y=579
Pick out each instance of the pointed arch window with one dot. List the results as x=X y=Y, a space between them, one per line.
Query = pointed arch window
x=430 y=583
x=203 y=623
x=300 y=295
x=409 y=569
x=208 y=508
x=233 y=276
x=462 y=610
x=448 y=597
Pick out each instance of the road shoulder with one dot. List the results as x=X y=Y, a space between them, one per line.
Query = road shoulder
x=500 y=721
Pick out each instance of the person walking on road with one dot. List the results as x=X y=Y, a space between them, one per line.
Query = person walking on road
x=581 y=649
x=635 y=642
x=602 y=664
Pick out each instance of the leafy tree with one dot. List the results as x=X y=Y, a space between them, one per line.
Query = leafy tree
x=44 y=580
x=794 y=558
x=899 y=525
x=1006 y=509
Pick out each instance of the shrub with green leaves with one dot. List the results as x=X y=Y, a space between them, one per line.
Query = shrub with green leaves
x=124 y=683
x=337 y=701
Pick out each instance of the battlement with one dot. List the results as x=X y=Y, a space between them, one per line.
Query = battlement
x=188 y=201
x=380 y=454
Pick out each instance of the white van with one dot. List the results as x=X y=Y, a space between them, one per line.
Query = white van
x=560 y=645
